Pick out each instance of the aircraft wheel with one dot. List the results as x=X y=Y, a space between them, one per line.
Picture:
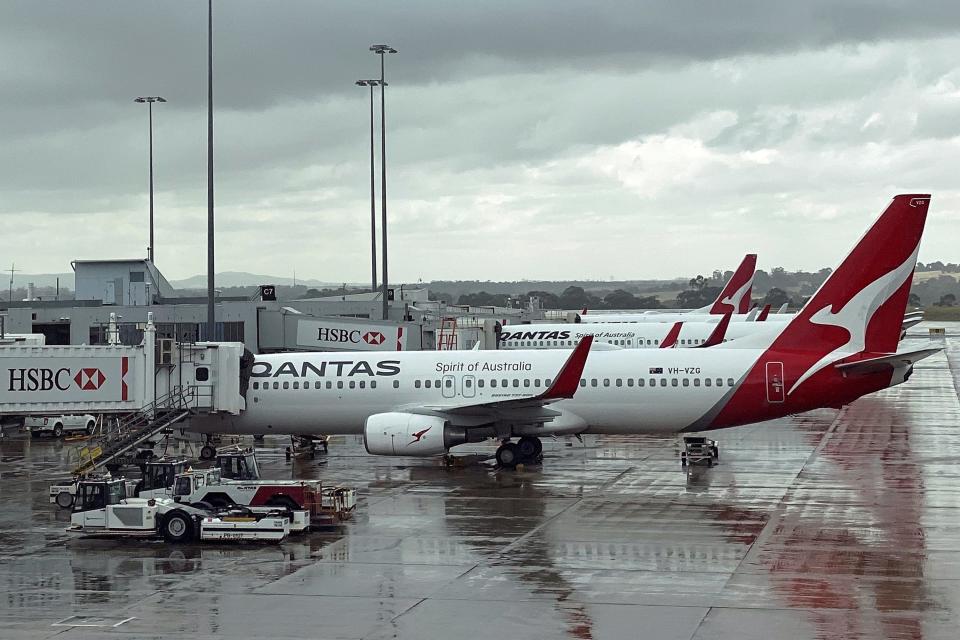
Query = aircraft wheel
x=530 y=448
x=177 y=527
x=208 y=452
x=508 y=455
x=64 y=500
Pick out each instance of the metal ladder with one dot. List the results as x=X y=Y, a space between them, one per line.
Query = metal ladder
x=135 y=429
x=447 y=338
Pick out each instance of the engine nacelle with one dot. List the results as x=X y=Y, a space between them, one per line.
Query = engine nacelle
x=409 y=434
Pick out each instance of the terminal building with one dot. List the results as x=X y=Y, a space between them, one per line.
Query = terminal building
x=113 y=298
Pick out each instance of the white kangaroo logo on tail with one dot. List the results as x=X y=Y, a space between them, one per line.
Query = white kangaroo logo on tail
x=734 y=298
x=855 y=316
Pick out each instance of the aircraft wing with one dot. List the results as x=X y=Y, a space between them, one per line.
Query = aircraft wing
x=524 y=408
x=892 y=361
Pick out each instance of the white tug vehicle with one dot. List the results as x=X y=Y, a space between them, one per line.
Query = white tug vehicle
x=234 y=483
x=103 y=509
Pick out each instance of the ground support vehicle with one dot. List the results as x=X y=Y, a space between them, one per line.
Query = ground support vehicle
x=57 y=426
x=325 y=505
x=698 y=449
x=102 y=510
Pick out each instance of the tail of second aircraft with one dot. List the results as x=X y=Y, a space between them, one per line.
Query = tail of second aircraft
x=860 y=307
x=735 y=296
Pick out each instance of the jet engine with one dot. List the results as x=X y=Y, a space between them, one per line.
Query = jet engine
x=409 y=434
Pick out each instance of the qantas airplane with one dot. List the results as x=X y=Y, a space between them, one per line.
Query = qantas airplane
x=839 y=347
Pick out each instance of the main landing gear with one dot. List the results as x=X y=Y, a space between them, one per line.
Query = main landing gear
x=528 y=450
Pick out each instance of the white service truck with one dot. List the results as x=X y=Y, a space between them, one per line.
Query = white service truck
x=58 y=426
x=102 y=509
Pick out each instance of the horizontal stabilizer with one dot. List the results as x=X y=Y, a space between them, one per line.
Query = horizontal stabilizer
x=891 y=361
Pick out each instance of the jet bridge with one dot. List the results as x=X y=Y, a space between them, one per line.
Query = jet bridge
x=148 y=387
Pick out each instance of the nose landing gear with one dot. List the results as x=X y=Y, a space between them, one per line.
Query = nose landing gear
x=528 y=450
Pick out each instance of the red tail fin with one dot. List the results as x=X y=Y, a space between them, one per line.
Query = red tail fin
x=735 y=297
x=718 y=334
x=672 y=336
x=860 y=307
x=764 y=313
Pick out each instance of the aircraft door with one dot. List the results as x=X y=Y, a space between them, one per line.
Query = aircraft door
x=775 y=385
x=469 y=387
x=449 y=386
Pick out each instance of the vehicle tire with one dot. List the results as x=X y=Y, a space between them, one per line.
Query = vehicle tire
x=716 y=453
x=508 y=455
x=709 y=462
x=90 y=427
x=177 y=527
x=57 y=430
x=530 y=448
x=208 y=452
x=64 y=499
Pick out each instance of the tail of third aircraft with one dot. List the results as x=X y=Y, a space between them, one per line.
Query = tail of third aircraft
x=735 y=297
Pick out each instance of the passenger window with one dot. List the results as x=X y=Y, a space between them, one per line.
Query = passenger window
x=663 y=382
x=648 y=342
x=653 y=382
x=656 y=342
x=593 y=382
x=640 y=382
x=276 y=385
x=673 y=382
x=296 y=385
x=448 y=383
x=546 y=382
x=719 y=382
x=436 y=383
x=619 y=382
x=493 y=383
x=416 y=384
x=339 y=384
x=363 y=384
x=686 y=382
x=706 y=382
x=516 y=383
x=316 y=385
x=504 y=383
x=329 y=385
x=256 y=385
x=373 y=384
x=536 y=382
x=396 y=384
x=729 y=382
x=629 y=382
x=480 y=383
x=286 y=385
x=468 y=383
x=583 y=382
x=696 y=382
x=526 y=382
x=606 y=382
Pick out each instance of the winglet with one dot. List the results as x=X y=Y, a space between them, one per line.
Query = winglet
x=752 y=315
x=568 y=380
x=718 y=333
x=763 y=313
x=584 y=312
x=672 y=336
x=784 y=308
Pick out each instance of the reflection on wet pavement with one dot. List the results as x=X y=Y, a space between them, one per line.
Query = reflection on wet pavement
x=827 y=525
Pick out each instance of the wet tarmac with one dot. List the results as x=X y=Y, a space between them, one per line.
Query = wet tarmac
x=827 y=525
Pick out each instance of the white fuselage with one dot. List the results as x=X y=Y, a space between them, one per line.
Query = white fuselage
x=605 y=318
x=621 y=391
x=628 y=335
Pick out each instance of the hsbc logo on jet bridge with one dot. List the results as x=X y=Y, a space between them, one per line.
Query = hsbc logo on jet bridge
x=352 y=337
x=86 y=379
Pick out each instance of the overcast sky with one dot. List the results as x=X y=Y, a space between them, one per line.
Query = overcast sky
x=526 y=139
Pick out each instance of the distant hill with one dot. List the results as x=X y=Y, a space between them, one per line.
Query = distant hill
x=244 y=279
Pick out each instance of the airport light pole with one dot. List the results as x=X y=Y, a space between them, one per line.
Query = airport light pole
x=150 y=100
x=373 y=196
x=211 y=315
x=381 y=50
